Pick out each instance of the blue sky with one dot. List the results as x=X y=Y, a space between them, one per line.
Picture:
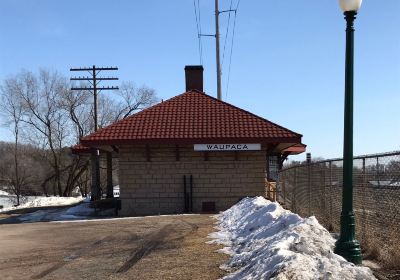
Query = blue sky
x=287 y=65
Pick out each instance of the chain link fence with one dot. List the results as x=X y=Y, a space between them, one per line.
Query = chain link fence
x=315 y=189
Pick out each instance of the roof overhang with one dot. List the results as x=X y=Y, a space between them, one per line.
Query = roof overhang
x=80 y=149
x=282 y=142
x=295 y=149
x=285 y=146
x=83 y=150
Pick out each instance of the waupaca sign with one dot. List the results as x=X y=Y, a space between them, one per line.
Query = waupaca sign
x=227 y=147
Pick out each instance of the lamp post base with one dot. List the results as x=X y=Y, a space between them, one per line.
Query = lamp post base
x=347 y=246
x=349 y=250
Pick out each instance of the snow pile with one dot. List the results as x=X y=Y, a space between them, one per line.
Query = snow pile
x=266 y=241
x=42 y=201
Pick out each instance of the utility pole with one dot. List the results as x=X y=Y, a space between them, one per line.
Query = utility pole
x=219 y=90
x=94 y=80
x=217 y=52
x=95 y=97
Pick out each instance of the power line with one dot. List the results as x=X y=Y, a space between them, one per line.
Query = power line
x=200 y=40
x=198 y=26
x=226 y=34
x=230 y=56
x=238 y=3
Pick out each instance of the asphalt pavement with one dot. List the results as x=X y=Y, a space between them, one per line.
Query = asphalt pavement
x=159 y=247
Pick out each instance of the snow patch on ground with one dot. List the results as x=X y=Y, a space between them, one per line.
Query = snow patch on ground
x=266 y=241
x=42 y=201
x=4 y=193
x=121 y=218
x=80 y=211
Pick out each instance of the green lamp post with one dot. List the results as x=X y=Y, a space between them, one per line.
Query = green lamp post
x=347 y=245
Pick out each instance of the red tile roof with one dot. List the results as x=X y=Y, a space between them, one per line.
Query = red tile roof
x=192 y=117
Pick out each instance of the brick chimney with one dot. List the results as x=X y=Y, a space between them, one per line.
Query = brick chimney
x=194 y=77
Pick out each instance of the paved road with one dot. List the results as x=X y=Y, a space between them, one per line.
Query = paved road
x=169 y=247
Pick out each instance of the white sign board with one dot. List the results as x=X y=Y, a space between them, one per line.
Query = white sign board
x=227 y=147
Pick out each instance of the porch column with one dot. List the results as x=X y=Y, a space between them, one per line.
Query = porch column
x=110 y=192
x=95 y=170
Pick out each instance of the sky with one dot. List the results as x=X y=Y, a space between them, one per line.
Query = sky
x=287 y=60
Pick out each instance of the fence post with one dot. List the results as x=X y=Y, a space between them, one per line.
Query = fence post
x=323 y=190
x=309 y=189
x=377 y=171
x=278 y=184
x=294 y=191
x=330 y=194
x=284 y=191
x=364 y=190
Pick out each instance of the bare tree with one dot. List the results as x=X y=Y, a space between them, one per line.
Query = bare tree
x=26 y=178
x=78 y=105
x=45 y=119
x=133 y=99
x=12 y=109
x=54 y=118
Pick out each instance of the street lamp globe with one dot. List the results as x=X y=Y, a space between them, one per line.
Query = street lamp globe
x=350 y=5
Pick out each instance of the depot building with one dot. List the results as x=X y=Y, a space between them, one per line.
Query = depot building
x=192 y=153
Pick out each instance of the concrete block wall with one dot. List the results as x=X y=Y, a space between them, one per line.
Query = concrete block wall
x=156 y=186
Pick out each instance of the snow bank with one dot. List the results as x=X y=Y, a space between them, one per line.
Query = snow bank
x=266 y=241
x=42 y=201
